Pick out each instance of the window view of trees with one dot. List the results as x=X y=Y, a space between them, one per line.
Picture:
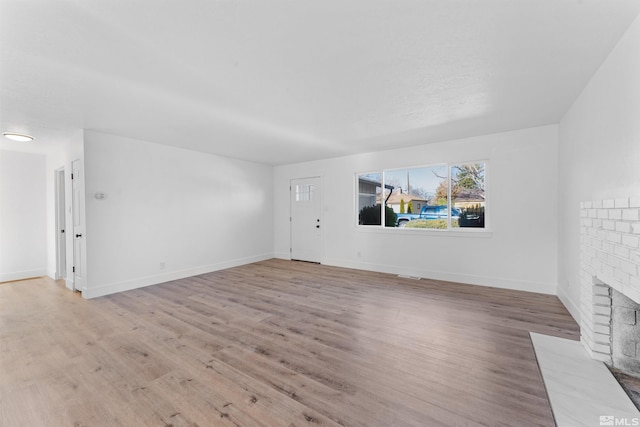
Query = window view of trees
x=421 y=197
x=468 y=193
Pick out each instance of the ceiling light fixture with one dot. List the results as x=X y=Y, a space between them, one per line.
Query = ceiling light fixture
x=18 y=137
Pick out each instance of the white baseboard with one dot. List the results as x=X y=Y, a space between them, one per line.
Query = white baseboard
x=141 y=282
x=571 y=307
x=21 y=275
x=282 y=255
x=495 y=282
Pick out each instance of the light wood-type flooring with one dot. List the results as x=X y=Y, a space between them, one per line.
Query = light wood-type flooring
x=276 y=343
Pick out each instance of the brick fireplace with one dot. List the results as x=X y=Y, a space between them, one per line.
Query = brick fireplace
x=609 y=262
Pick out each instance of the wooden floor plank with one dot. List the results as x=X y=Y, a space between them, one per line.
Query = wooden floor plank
x=276 y=343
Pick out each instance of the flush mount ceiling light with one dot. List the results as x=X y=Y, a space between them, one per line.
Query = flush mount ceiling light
x=18 y=137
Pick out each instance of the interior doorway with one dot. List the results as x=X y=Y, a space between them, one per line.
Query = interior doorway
x=61 y=221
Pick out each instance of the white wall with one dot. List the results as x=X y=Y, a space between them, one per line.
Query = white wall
x=62 y=158
x=520 y=252
x=599 y=151
x=23 y=221
x=192 y=211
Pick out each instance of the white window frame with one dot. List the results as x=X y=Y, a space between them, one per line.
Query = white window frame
x=449 y=230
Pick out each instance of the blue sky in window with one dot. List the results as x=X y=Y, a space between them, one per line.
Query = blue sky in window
x=426 y=178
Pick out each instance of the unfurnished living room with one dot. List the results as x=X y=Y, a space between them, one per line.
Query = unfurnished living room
x=337 y=213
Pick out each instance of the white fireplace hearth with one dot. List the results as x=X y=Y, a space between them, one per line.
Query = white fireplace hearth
x=581 y=389
x=609 y=260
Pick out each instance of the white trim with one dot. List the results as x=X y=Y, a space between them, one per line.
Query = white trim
x=448 y=165
x=21 y=275
x=141 y=282
x=569 y=304
x=470 y=232
x=282 y=255
x=494 y=282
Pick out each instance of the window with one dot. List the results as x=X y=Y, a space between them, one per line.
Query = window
x=369 y=207
x=441 y=197
x=304 y=193
x=417 y=191
x=468 y=194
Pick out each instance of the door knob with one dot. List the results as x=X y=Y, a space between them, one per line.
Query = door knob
x=317 y=226
x=78 y=235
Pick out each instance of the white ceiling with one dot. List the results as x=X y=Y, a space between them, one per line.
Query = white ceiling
x=282 y=81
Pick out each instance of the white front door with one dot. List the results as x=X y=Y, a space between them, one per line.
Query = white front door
x=78 y=227
x=306 y=231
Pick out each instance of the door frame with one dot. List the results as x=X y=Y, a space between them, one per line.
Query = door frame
x=321 y=214
x=61 y=223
